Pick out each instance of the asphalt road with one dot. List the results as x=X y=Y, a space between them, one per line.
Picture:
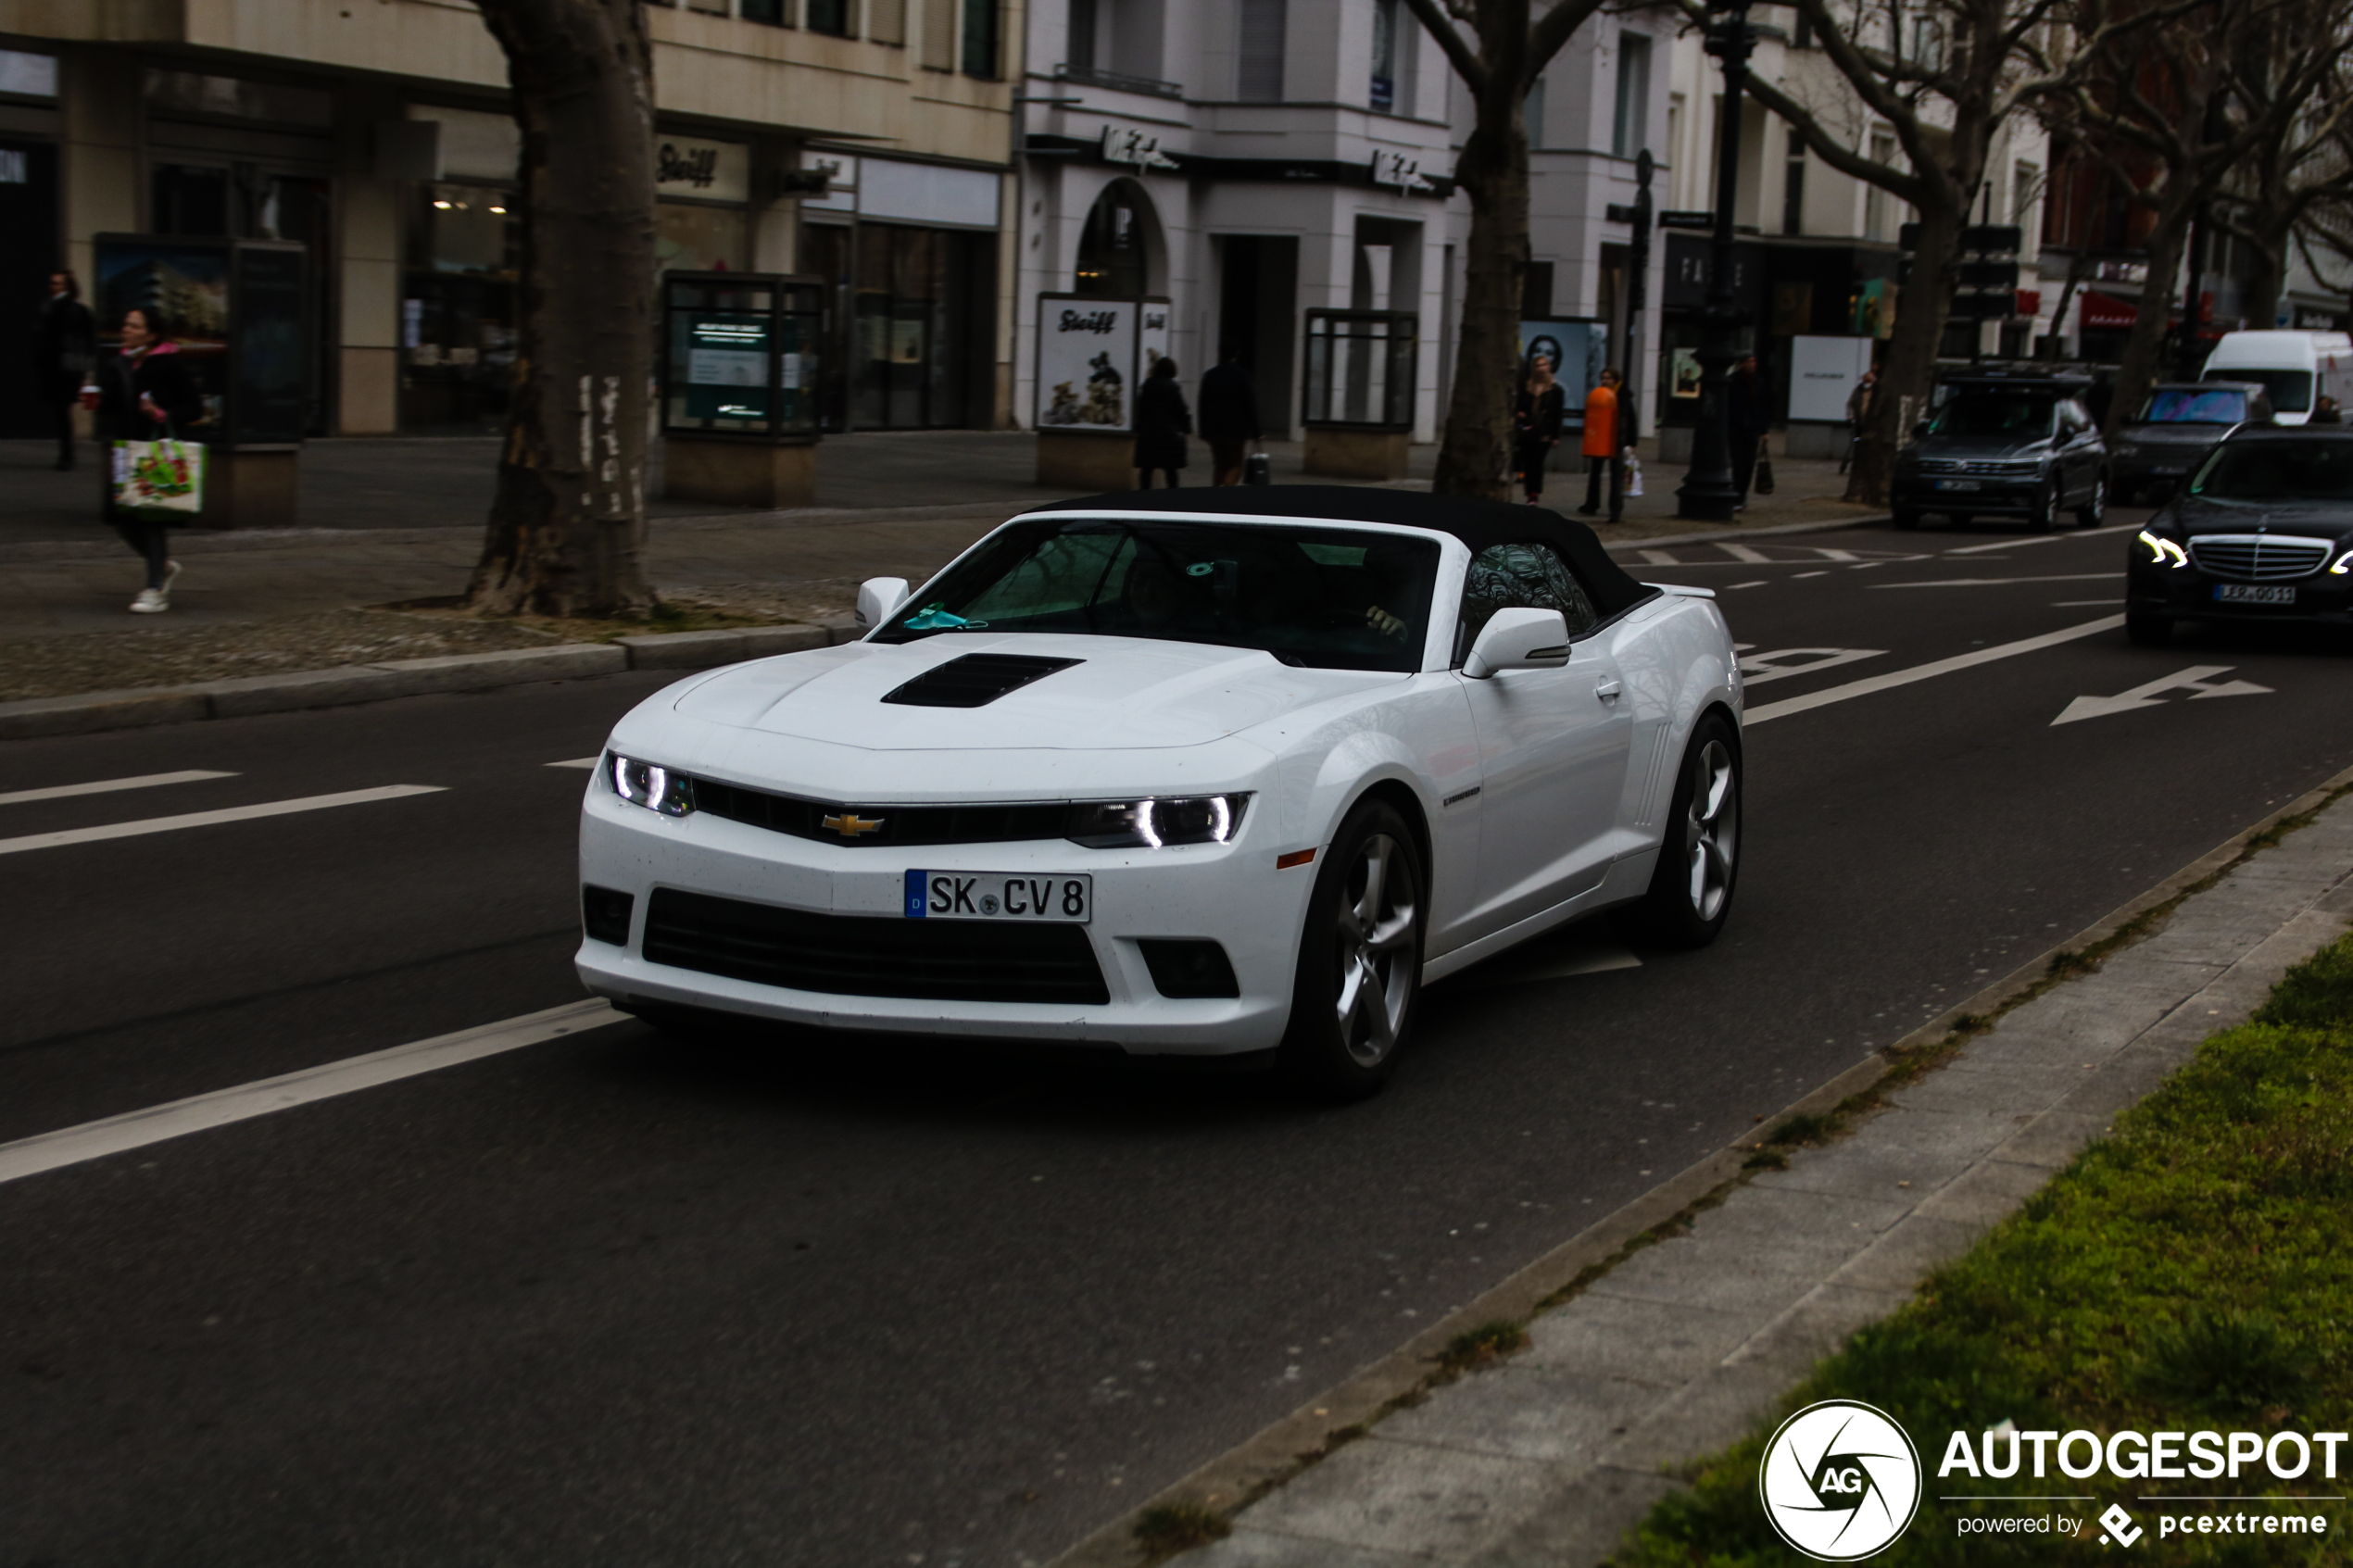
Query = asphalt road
x=811 y=1301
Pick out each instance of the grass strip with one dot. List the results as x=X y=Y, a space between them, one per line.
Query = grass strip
x=2186 y=1272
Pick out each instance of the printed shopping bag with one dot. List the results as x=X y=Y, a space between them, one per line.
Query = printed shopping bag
x=1764 y=481
x=1634 y=474
x=160 y=480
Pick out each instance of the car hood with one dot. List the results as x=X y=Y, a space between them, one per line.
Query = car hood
x=1976 y=448
x=1119 y=693
x=2312 y=520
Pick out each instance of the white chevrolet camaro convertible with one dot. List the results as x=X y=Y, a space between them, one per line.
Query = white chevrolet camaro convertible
x=1185 y=772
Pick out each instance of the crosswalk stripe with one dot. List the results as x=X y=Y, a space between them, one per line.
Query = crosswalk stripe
x=106 y=786
x=137 y=1129
x=209 y=819
x=1659 y=558
x=1742 y=552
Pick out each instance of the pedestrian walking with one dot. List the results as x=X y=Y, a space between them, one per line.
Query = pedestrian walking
x=1536 y=426
x=1603 y=455
x=1859 y=415
x=1162 y=423
x=142 y=391
x=1744 y=397
x=1228 y=417
x=64 y=341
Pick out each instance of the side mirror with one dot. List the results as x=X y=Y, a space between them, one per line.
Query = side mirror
x=1519 y=638
x=879 y=598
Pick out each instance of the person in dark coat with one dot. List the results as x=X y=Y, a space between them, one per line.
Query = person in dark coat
x=144 y=392
x=1229 y=416
x=1162 y=423
x=1744 y=423
x=1536 y=421
x=63 y=343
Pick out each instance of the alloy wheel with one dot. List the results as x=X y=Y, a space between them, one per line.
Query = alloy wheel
x=1378 y=909
x=1711 y=829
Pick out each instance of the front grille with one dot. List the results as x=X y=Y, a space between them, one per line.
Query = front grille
x=2258 y=557
x=874 y=954
x=900 y=826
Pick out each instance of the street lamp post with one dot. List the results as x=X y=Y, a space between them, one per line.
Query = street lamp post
x=1708 y=494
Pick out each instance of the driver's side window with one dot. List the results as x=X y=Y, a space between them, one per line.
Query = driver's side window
x=1520 y=576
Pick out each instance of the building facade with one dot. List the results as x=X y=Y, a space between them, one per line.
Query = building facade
x=1250 y=161
x=379 y=136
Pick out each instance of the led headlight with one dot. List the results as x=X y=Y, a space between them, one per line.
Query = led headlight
x=2344 y=564
x=650 y=784
x=1157 y=821
x=2164 y=550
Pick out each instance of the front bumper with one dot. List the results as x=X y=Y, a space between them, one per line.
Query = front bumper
x=1995 y=497
x=1229 y=893
x=2186 y=593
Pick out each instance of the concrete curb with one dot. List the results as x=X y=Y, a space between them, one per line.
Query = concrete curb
x=1272 y=1459
x=243 y=695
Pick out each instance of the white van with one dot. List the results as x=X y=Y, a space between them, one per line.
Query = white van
x=2299 y=368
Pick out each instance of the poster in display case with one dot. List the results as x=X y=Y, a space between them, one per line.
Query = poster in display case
x=740 y=355
x=1092 y=352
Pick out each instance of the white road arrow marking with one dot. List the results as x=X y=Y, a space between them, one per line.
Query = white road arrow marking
x=2197 y=680
x=1759 y=667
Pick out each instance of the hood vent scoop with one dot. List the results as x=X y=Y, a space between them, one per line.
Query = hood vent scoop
x=977 y=680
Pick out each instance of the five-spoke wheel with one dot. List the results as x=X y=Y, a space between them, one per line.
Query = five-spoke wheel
x=1360 y=959
x=1699 y=864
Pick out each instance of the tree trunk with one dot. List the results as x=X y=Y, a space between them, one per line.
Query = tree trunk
x=1911 y=354
x=2160 y=292
x=1475 y=454
x=568 y=522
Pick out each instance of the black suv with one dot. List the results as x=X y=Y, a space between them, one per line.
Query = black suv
x=2180 y=423
x=2005 y=444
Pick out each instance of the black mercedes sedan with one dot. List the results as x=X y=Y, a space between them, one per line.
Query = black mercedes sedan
x=2262 y=531
x=2176 y=426
x=2004 y=444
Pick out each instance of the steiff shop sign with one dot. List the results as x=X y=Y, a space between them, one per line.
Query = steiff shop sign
x=715 y=172
x=1135 y=149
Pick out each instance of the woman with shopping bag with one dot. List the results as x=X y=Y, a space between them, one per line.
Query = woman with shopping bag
x=145 y=401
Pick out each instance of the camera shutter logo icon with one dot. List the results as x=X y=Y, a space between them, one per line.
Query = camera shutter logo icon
x=1841 y=1480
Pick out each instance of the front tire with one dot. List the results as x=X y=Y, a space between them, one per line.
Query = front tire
x=1691 y=892
x=2090 y=514
x=1360 y=959
x=2045 y=510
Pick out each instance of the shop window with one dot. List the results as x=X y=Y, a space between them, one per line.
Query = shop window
x=912 y=322
x=981 y=30
x=692 y=238
x=188 y=199
x=467 y=229
x=458 y=309
x=1112 y=259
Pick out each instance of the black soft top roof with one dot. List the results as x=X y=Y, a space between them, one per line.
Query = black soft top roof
x=1479 y=524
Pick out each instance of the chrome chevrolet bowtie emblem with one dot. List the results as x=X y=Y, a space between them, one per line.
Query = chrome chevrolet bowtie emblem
x=850 y=824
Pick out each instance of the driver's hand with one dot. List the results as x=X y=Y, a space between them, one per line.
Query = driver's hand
x=1383 y=622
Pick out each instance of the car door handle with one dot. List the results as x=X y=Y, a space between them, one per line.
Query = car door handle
x=1607 y=690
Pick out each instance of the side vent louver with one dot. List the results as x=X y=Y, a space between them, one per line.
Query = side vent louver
x=977 y=680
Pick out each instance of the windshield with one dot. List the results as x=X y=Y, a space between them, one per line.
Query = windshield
x=2277 y=470
x=2004 y=414
x=2291 y=390
x=1336 y=598
x=2180 y=405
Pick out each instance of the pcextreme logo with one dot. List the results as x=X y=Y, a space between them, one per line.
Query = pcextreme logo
x=1839 y=1481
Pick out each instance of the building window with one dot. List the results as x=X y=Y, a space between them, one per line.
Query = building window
x=1793 y=189
x=2025 y=194
x=1384 y=83
x=1633 y=127
x=830 y=15
x=1078 y=50
x=980 y=39
x=772 y=12
x=1112 y=259
x=1875 y=200
x=1261 y=35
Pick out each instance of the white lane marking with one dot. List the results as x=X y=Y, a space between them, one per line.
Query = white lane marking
x=1824 y=573
x=137 y=1129
x=2044 y=539
x=1829 y=553
x=106 y=786
x=1894 y=678
x=1758 y=583
x=1658 y=557
x=1741 y=552
x=1758 y=669
x=1997 y=582
x=209 y=819
x=578 y=762
x=2198 y=681
x=2082 y=604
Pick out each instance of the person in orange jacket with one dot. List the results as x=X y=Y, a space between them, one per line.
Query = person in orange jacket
x=1602 y=452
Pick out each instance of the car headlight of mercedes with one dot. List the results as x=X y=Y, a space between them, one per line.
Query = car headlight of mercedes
x=650 y=784
x=2164 y=551
x=1157 y=821
x=2344 y=565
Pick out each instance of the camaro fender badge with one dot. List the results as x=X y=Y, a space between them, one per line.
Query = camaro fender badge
x=1466 y=795
x=850 y=824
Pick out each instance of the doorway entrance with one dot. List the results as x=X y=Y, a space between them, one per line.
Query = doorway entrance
x=1257 y=318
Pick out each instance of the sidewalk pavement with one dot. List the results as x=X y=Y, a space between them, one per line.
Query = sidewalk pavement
x=1551 y=1455
x=402 y=519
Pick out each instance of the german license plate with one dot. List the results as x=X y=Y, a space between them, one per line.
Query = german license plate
x=999 y=895
x=1956 y=485
x=2252 y=594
